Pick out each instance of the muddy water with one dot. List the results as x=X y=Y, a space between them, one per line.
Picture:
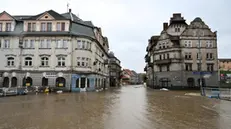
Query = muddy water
x=130 y=107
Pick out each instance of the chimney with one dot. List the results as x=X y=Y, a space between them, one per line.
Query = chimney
x=100 y=31
x=165 y=26
x=69 y=10
x=176 y=15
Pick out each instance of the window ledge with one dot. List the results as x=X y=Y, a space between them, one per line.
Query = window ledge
x=28 y=48
x=10 y=66
x=28 y=66
x=61 y=66
x=44 y=66
x=82 y=67
x=83 y=49
x=61 y=48
x=44 y=48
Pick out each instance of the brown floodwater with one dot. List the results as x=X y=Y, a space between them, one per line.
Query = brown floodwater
x=128 y=107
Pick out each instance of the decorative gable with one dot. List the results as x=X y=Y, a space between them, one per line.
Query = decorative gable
x=164 y=36
x=4 y=16
x=46 y=16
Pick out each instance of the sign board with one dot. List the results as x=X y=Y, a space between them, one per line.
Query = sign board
x=50 y=76
x=61 y=84
x=202 y=73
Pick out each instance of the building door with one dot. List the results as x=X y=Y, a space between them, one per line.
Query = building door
x=190 y=82
x=83 y=82
x=44 y=81
x=6 y=82
x=77 y=83
x=88 y=83
x=13 y=82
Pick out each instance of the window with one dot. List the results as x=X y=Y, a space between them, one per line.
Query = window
x=177 y=29
x=33 y=26
x=210 y=67
x=167 y=56
x=209 y=44
x=0 y=26
x=188 y=67
x=79 y=44
x=31 y=43
x=28 y=44
x=44 y=61
x=198 y=57
x=164 y=56
x=83 y=64
x=160 y=57
x=59 y=44
x=209 y=56
x=168 y=68
x=8 y=26
x=160 y=46
x=43 y=26
x=7 y=44
x=61 y=61
x=28 y=61
x=64 y=43
x=188 y=44
x=58 y=26
x=163 y=45
x=63 y=26
x=83 y=44
x=10 y=61
x=49 y=26
x=48 y=43
x=0 y=43
x=29 y=27
x=188 y=55
x=198 y=67
x=160 y=68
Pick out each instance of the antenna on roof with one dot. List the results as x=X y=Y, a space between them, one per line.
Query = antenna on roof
x=67 y=6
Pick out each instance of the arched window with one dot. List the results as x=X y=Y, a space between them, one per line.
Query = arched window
x=61 y=61
x=13 y=82
x=6 y=82
x=44 y=61
x=10 y=61
x=60 y=82
x=28 y=61
x=44 y=81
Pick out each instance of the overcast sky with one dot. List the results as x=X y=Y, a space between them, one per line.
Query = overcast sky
x=129 y=24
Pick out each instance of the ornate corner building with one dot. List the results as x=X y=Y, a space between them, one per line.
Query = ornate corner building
x=182 y=55
x=52 y=49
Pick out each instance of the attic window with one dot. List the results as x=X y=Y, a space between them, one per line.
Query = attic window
x=103 y=44
x=46 y=16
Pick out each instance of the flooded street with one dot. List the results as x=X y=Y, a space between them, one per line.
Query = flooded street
x=129 y=107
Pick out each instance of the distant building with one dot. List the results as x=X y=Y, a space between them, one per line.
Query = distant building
x=173 y=57
x=114 y=70
x=129 y=77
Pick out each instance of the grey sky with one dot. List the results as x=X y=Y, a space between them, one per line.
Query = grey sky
x=130 y=23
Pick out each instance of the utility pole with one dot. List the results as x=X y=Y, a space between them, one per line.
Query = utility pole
x=200 y=64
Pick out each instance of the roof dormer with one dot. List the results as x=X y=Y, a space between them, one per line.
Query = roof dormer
x=7 y=22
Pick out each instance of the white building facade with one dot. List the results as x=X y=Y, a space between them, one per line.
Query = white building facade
x=52 y=49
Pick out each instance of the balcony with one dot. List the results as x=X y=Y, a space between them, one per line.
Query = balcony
x=150 y=65
x=147 y=59
x=145 y=69
x=164 y=61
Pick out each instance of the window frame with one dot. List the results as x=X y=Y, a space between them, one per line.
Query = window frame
x=44 y=61
x=61 y=61
x=28 y=61
x=10 y=61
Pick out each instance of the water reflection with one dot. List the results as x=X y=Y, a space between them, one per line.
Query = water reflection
x=128 y=107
